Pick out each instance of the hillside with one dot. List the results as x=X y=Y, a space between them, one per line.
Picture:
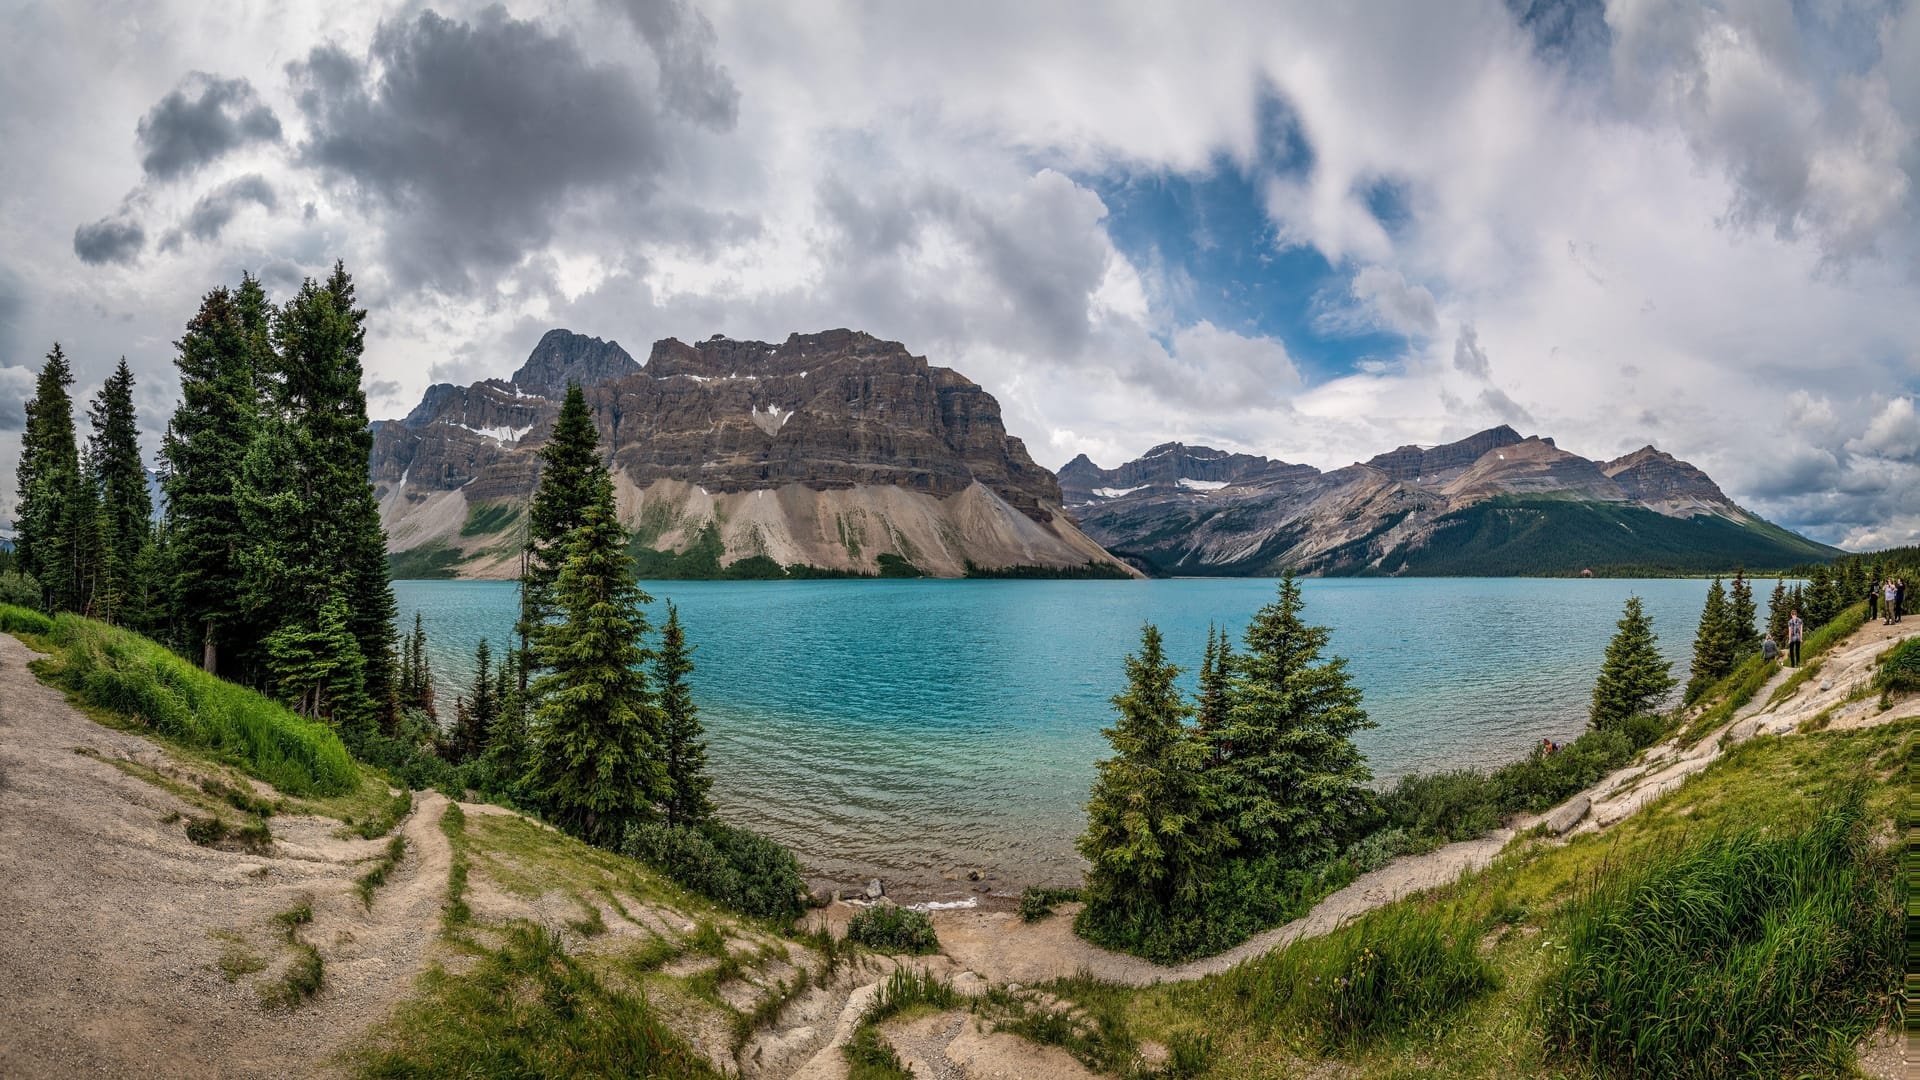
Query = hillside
x=833 y=453
x=1494 y=503
x=489 y=944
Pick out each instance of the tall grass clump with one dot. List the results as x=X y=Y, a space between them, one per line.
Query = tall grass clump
x=1394 y=968
x=890 y=928
x=1899 y=670
x=1749 y=951
x=15 y=619
x=127 y=674
x=529 y=1009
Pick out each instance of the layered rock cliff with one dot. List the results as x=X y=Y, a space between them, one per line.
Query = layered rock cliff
x=1493 y=503
x=832 y=452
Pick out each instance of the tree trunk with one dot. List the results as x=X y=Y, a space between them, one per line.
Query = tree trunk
x=209 y=655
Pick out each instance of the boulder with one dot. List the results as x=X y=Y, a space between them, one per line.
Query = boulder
x=1567 y=816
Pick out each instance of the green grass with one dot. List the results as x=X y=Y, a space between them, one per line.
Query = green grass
x=453 y=823
x=527 y=1009
x=1037 y=902
x=295 y=917
x=152 y=688
x=376 y=875
x=237 y=960
x=1899 y=670
x=302 y=979
x=380 y=823
x=1745 y=945
x=433 y=561
x=19 y=620
x=486 y=519
x=890 y=928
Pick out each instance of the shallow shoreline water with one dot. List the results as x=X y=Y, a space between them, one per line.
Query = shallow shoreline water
x=919 y=730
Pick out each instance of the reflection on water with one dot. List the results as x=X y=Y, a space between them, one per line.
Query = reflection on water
x=907 y=729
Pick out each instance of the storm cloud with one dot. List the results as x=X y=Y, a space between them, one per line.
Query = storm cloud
x=212 y=211
x=115 y=239
x=693 y=83
x=472 y=137
x=200 y=121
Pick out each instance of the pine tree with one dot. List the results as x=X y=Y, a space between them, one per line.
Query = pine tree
x=1153 y=831
x=1216 y=667
x=317 y=667
x=88 y=552
x=1742 y=615
x=595 y=761
x=206 y=443
x=1633 y=678
x=120 y=476
x=481 y=711
x=505 y=760
x=1713 y=644
x=316 y=388
x=1291 y=779
x=1822 y=598
x=1779 y=609
x=684 y=752
x=49 y=477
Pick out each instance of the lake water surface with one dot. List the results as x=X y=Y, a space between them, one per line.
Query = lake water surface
x=913 y=729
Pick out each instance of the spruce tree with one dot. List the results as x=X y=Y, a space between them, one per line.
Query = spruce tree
x=1822 y=599
x=1742 y=615
x=570 y=475
x=468 y=740
x=316 y=388
x=595 y=757
x=120 y=476
x=1713 y=644
x=1153 y=830
x=1292 y=782
x=505 y=760
x=1216 y=667
x=316 y=666
x=1633 y=677
x=684 y=752
x=46 y=520
x=1779 y=609
x=207 y=440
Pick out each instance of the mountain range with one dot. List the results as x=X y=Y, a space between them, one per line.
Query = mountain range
x=1493 y=503
x=826 y=454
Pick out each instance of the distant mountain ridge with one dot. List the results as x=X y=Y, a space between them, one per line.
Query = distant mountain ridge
x=834 y=452
x=1495 y=502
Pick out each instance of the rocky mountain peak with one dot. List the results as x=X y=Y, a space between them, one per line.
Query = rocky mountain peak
x=1665 y=483
x=1415 y=463
x=563 y=356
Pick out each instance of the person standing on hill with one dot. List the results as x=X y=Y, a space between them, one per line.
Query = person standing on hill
x=1873 y=600
x=1891 y=594
x=1794 y=626
x=1899 y=599
x=1768 y=650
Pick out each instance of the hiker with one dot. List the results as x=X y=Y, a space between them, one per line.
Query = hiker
x=1768 y=650
x=1794 y=626
x=1873 y=600
x=1899 y=599
x=1891 y=594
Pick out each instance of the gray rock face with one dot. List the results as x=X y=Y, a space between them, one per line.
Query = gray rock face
x=1167 y=466
x=1659 y=480
x=1414 y=463
x=564 y=356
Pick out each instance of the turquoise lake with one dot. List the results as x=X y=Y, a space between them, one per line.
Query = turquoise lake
x=912 y=730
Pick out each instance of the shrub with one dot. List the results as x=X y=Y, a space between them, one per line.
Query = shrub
x=18 y=619
x=1746 y=951
x=1037 y=903
x=127 y=674
x=1241 y=898
x=206 y=831
x=19 y=590
x=1540 y=780
x=891 y=928
x=1448 y=806
x=737 y=867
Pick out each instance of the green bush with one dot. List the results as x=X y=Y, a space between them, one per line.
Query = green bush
x=1540 y=780
x=127 y=674
x=891 y=928
x=19 y=590
x=18 y=619
x=1241 y=898
x=1751 y=951
x=737 y=867
x=1447 y=806
x=1037 y=903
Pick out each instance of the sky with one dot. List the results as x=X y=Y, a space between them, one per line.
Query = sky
x=1313 y=231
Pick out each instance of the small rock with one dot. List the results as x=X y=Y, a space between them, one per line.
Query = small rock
x=875 y=890
x=1826 y=684
x=973 y=875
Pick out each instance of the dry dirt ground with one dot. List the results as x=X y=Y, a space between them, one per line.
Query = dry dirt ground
x=114 y=927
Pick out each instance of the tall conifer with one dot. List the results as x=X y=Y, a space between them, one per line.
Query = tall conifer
x=684 y=751
x=1743 y=615
x=1713 y=644
x=570 y=475
x=595 y=756
x=120 y=477
x=1779 y=609
x=1291 y=779
x=49 y=478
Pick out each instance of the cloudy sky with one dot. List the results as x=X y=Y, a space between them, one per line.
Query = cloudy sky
x=1309 y=230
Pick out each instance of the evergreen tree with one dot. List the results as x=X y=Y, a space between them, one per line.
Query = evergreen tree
x=1291 y=780
x=481 y=709
x=570 y=475
x=1822 y=599
x=1779 y=609
x=120 y=477
x=1742 y=615
x=1153 y=831
x=316 y=388
x=684 y=752
x=47 y=522
x=1216 y=668
x=317 y=667
x=1633 y=677
x=1713 y=644
x=505 y=760
x=595 y=762
x=145 y=605
x=88 y=550
x=205 y=446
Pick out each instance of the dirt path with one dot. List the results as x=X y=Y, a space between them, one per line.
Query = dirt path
x=115 y=924
x=1003 y=949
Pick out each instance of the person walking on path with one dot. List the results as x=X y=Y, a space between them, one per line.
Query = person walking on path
x=1768 y=650
x=1888 y=592
x=1794 y=626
